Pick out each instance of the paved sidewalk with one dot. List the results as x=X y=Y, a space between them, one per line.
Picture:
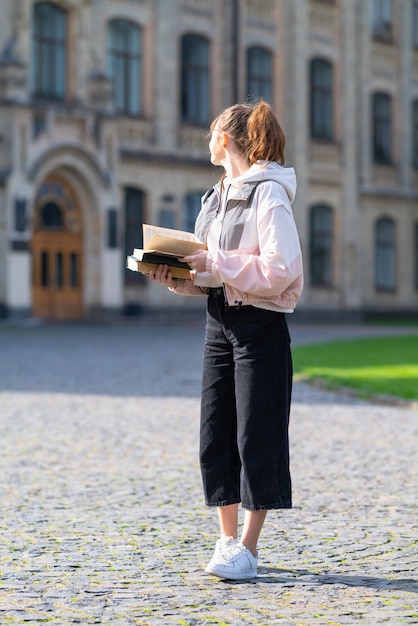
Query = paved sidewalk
x=102 y=519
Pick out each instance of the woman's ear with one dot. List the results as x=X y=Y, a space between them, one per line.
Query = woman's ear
x=224 y=139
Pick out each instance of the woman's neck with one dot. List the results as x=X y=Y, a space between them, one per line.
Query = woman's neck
x=235 y=165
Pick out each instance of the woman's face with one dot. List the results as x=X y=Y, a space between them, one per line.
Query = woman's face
x=216 y=146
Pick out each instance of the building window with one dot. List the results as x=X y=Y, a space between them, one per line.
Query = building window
x=382 y=128
x=20 y=217
x=415 y=23
x=124 y=65
x=134 y=216
x=259 y=74
x=382 y=21
x=322 y=122
x=321 y=237
x=167 y=218
x=49 y=51
x=416 y=256
x=51 y=216
x=384 y=270
x=415 y=134
x=191 y=208
x=195 y=80
x=112 y=228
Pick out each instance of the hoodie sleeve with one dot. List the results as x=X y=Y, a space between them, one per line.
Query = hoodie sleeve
x=276 y=264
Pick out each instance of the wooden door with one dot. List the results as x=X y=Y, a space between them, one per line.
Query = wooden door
x=57 y=254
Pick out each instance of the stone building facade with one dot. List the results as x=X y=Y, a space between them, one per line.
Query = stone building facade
x=104 y=111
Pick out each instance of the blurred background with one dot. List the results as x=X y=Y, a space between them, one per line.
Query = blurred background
x=104 y=110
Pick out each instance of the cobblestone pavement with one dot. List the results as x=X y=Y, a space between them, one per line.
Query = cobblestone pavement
x=102 y=519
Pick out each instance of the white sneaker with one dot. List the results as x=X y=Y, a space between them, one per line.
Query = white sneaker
x=221 y=545
x=235 y=562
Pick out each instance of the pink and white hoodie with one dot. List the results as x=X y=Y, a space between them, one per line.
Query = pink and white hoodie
x=254 y=250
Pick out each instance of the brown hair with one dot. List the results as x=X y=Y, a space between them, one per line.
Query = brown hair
x=255 y=131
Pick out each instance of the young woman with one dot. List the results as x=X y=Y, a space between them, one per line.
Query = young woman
x=252 y=274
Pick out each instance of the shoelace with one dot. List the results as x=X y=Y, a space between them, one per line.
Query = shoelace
x=223 y=544
x=234 y=550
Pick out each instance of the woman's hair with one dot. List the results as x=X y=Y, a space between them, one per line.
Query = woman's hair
x=255 y=131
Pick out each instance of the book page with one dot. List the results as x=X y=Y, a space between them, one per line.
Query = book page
x=149 y=232
x=173 y=247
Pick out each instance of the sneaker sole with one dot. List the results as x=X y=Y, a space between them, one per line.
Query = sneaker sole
x=237 y=576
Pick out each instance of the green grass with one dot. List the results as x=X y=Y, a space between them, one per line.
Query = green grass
x=374 y=366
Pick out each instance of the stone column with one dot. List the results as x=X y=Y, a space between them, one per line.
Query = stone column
x=166 y=62
x=403 y=121
x=295 y=122
x=350 y=126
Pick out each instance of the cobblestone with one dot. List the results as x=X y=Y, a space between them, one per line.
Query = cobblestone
x=102 y=519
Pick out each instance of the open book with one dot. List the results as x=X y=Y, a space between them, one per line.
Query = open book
x=164 y=246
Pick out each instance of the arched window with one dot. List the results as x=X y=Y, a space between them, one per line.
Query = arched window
x=134 y=217
x=382 y=128
x=321 y=238
x=51 y=216
x=259 y=74
x=125 y=65
x=191 y=208
x=321 y=93
x=195 y=71
x=49 y=51
x=415 y=134
x=385 y=255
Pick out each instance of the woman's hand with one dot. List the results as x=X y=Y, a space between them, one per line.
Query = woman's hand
x=163 y=275
x=197 y=260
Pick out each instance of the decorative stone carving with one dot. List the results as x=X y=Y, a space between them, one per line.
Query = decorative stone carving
x=384 y=59
x=134 y=132
x=325 y=154
x=100 y=91
x=260 y=9
x=322 y=20
x=13 y=74
x=385 y=176
x=194 y=139
x=199 y=7
x=70 y=124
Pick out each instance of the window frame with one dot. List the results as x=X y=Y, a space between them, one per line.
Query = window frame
x=191 y=207
x=415 y=243
x=414 y=134
x=385 y=257
x=415 y=24
x=258 y=78
x=321 y=242
x=382 y=20
x=382 y=129
x=132 y=237
x=125 y=66
x=49 y=76
x=321 y=100
x=195 y=79
x=112 y=234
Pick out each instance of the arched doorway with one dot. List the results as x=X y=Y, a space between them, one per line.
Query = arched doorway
x=57 y=246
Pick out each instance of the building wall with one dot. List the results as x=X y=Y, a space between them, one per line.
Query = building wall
x=100 y=152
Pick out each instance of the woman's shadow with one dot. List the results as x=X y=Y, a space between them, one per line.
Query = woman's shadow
x=282 y=576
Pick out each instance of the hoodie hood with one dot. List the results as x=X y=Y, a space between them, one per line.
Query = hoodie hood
x=267 y=170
